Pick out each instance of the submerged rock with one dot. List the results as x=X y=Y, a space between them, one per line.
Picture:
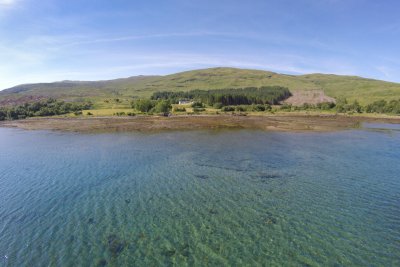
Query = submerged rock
x=169 y=252
x=142 y=235
x=213 y=211
x=270 y=219
x=201 y=176
x=101 y=263
x=185 y=250
x=265 y=176
x=128 y=200
x=91 y=221
x=115 y=245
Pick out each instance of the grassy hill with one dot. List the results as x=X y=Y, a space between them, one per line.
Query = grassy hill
x=353 y=88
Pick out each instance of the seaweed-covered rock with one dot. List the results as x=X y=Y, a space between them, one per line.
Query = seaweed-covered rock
x=270 y=219
x=169 y=252
x=115 y=245
x=185 y=250
x=101 y=263
x=201 y=176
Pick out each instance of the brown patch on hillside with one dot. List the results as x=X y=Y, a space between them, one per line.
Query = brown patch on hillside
x=14 y=101
x=312 y=97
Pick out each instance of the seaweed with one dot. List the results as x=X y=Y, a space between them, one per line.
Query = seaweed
x=142 y=236
x=185 y=250
x=213 y=211
x=270 y=219
x=101 y=263
x=169 y=252
x=201 y=176
x=115 y=245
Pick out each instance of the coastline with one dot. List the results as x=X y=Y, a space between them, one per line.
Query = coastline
x=276 y=122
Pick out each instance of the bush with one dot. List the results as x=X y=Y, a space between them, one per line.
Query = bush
x=198 y=109
x=143 y=105
x=286 y=107
x=382 y=106
x=228 y=108
x=198 y=105
x=176 y=109
x=259 y=108
x=163 y=106
x=343 y=106
x=326 y=105
x=240 y=108
x=218 y=105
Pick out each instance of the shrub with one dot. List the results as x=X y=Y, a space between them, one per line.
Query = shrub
x=326 y=105
x=259 y=108
x=286 y=107
x=197 y=105
x=218 y=105
x=143 y=105
x=228 y=108
x=198 y=109
x=177 y=109
x=240 y=108
x=163 y=106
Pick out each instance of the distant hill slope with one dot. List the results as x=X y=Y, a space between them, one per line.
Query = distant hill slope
x=364 y=90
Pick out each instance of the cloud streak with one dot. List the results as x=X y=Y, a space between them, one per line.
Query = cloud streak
x=7 y=2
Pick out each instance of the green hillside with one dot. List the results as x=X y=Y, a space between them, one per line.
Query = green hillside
x=353 y=88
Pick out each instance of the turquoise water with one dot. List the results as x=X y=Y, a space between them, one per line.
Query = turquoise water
x=218 y=198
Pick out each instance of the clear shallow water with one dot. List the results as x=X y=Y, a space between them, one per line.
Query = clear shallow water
x=240 y=198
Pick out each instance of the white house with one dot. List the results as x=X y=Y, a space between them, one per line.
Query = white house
x=185 y=102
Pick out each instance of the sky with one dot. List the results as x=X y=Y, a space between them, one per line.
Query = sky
x=52 y=40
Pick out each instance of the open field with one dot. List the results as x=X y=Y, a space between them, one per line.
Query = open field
x=282 y=122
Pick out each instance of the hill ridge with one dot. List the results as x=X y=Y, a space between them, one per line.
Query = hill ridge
x=365 y=90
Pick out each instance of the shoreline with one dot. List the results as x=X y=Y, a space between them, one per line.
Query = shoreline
x=276 y=122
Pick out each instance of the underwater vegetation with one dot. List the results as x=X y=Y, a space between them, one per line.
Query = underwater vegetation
x=202 y=176
x=101 y=263
x=115 y=245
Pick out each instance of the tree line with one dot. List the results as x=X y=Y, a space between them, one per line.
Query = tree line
x=271 y=95
x=152 y=106
x=383 y=106
x=342 y=105
x=49 y=107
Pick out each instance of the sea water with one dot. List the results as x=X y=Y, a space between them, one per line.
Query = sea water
x=200 y=198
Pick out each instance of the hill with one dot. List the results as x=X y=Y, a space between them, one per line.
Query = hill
x=350 y=87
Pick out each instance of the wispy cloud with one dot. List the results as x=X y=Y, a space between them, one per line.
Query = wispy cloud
x=7 y=2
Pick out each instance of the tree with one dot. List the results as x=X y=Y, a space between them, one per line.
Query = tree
x=143 y=105
x=163 y=106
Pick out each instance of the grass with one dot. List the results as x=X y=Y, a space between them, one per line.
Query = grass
x=107 y=112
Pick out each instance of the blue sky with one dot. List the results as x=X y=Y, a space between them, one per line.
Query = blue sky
x=50 y=40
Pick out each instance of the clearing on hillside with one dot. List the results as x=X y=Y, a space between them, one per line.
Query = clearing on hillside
x=312 y=97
